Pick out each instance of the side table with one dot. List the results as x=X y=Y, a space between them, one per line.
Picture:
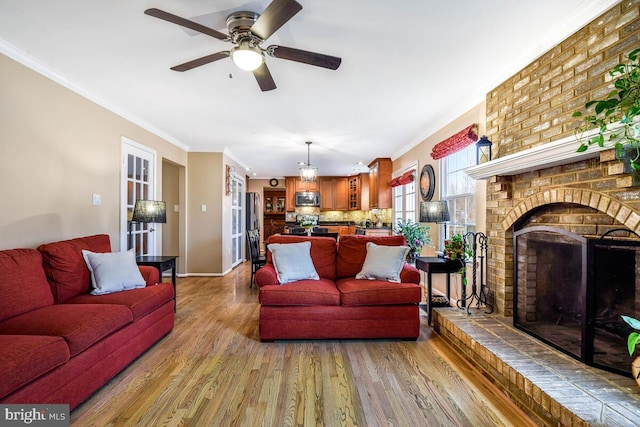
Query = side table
x=162 y=263
x=432 y=265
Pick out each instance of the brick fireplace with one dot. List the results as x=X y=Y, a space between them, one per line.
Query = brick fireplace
x=536 y=176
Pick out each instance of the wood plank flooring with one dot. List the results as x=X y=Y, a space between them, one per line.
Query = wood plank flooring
x=213 y=371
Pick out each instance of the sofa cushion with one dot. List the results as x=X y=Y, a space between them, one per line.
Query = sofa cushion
x=140 y=301
x=303 y=292
x=81 y=325
x=23 y=285
x=352 y=251
x=356 y=292
x=113 y=271
x=292 y=261
x=383 y=262
x=65 y=267
x=26 y=357
x=323 y=252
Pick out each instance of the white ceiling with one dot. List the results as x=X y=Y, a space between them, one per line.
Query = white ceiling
x=408 y=68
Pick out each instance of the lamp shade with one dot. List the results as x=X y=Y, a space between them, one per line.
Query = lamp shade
x=149 y=211
x=437 y=211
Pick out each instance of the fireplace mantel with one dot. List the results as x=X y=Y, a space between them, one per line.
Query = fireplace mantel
x=558 y=152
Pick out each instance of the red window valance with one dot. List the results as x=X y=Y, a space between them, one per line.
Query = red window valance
x=455 y=142
x=405 y=178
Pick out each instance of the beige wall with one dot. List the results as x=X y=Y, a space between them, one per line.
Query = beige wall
x=209 y=233
x=422 y=154
x=57 y=149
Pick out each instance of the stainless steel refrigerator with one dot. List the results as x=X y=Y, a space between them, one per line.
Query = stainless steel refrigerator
x=253 y=209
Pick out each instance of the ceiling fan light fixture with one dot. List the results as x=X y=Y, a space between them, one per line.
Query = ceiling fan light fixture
x=247 y=57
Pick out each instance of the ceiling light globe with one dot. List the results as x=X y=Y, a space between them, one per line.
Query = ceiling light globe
x=246 y=57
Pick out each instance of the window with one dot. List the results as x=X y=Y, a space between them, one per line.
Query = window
x=459 y=189
x=404 y=202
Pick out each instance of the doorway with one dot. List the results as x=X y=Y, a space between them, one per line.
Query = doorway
x=138 y=182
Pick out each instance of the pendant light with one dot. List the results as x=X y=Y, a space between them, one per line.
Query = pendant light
x=308 y=172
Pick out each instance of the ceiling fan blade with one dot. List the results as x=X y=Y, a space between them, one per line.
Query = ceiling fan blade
x=311 y=58
x=169 y=17
x=263 y=76
x=201 y=61
x=275 y=16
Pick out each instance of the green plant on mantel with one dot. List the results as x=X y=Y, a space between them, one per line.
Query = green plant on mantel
x=615 y=117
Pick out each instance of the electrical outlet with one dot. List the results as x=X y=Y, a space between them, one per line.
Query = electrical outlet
x=176 y=208
x=96 y=199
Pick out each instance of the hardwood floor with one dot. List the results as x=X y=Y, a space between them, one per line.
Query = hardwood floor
x=213 y=371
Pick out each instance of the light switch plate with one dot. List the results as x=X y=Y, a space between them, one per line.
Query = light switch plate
x=96 y=199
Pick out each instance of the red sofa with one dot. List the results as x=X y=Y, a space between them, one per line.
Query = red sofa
x=338 y=305
x=58 y=343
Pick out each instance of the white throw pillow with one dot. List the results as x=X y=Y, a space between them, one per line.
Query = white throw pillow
x=292 y=261
x=383 y=262
x=113 y=271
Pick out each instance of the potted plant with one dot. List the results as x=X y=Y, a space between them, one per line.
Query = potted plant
x=616 y=116
x=632 y=343
x=416 y=234
x=454 y=247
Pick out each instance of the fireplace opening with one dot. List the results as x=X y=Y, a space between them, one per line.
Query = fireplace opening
x=570 y=292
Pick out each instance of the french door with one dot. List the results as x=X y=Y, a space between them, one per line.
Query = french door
x=138 y=179
x=237 y=216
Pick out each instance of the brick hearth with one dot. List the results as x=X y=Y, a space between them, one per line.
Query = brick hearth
x=553 y=388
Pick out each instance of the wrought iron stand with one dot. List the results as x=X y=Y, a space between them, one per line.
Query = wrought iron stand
x=478 y=244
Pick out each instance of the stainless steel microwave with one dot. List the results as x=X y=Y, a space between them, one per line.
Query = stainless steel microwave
x=308 y=198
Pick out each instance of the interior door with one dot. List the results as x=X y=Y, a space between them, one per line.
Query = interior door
x=237 y=216
x=137 y=183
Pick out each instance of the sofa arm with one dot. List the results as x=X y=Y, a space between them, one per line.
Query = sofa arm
x=409 y=274
x=266 y=275
x=150 y=274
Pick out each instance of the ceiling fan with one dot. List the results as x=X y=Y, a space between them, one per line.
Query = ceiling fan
x=247 y=31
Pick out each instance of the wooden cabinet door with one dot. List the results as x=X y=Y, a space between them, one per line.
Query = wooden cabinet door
x=326 y=195
x=354 y=193
x=307 y=186
x=380 y=193
x=341 y=194
x=373 y=185
x=290 y=197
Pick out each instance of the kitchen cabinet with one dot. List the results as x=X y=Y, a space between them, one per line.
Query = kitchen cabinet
x=358 y=192
x=290 y=196
x=274 y=202
x=326 y=194
x=273 y=226
x=380 y=194
x=342 y=230
x=341 y=194
x=307 y=186
x=334 y=194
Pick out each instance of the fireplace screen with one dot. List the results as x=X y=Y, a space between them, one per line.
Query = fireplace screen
x=570 y=292
x=550 y=286
x=616 y=278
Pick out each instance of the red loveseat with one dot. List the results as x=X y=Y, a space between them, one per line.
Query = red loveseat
x=338 y=305
x=58 y=343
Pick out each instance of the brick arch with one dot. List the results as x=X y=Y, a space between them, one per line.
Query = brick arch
x=621 y=212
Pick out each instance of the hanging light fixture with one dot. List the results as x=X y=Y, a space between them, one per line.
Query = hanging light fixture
x=308 y=172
